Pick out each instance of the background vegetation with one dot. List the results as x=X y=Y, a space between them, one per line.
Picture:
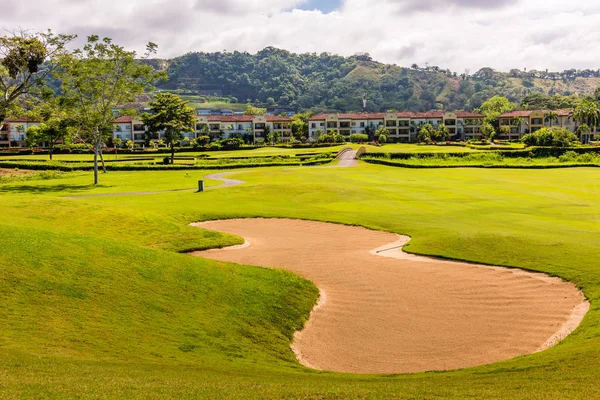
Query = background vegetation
x=328 y=82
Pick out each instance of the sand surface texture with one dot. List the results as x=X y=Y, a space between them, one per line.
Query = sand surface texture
x=391 y=312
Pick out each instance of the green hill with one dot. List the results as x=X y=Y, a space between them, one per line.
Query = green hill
x=330 y=82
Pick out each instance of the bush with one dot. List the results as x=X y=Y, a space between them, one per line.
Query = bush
x=167 y=160
x=232 y=143
x=569 y=156
x=551 y=137
x=359 y=138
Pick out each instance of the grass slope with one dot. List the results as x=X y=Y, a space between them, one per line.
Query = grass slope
x=95 y=303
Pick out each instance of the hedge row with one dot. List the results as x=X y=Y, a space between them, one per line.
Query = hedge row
x=161 y=150
x=148 y=167
x=531 y=152
x=499 y=166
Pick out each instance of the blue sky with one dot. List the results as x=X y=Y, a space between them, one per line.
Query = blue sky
x=325 y=6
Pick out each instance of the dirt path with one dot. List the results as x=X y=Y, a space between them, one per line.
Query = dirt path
x=403 y=313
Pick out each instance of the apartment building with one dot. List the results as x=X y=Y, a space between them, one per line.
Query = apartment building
x=129 y=128
x=256 y=125
x=402 y=126
x=529 y=121
x=12 y=131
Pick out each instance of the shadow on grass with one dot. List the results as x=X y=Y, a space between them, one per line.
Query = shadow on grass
x=46 y=189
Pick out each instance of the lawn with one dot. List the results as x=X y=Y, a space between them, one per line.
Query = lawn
x=97 y=302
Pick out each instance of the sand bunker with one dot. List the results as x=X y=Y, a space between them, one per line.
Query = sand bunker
x=402 y=313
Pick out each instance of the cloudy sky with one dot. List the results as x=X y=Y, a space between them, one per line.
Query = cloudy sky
x=455 y=34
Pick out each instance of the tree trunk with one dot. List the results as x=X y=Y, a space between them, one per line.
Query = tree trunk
x=50 y=152
x=102 y=160
x=96 y=147
x=172 y=152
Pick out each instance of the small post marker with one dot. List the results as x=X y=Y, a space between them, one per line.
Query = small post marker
x=200 y=185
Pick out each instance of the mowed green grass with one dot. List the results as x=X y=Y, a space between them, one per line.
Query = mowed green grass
x=96 y=301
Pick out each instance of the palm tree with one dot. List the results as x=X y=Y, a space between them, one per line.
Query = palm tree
x=586 y=112
x=551 y=117
x=583 y=130
x=518 y=122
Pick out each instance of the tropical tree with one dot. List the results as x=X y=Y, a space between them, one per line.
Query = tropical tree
x=551 y=117
x=317 y=134
x=443 y=132
x=586 y=112
x=494 y=107
x=300 y=125
x=267 y=133
x=382 y=134
x=583 y=131
x=518 y=122
x=26 y=61
x=487 y=131
x=95 y=80
x=505 y=130
x=427 y=133
x=171 y=115
x=251 y=110
x=54 y=124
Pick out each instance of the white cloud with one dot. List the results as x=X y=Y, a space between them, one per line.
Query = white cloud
x=455 y=34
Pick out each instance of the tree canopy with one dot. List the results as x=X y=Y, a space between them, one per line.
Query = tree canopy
x=26 y=61
x=171 y=115
x=95 y=80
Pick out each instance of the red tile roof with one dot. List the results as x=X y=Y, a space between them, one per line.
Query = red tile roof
x=245 y=118
x=466 y=114
x=123 y=119
x=404 y=114
x=527 y=113
x=363 y=116
x=277 y=118
x=430 y=114
x=230 y=118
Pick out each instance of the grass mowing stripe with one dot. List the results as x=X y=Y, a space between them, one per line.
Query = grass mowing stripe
x=545 y=220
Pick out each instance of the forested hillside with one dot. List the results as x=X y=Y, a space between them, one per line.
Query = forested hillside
x=327 y=82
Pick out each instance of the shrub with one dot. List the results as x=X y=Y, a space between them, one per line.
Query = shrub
x=232 y=143
x=551 y=137
x=167 y=160
x=359 y=138
x=569 y=156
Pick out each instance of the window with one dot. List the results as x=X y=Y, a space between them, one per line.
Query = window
x=362 y=124
x=313 y=125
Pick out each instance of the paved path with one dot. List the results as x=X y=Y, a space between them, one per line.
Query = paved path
x=346 y=159
x=218 y=177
